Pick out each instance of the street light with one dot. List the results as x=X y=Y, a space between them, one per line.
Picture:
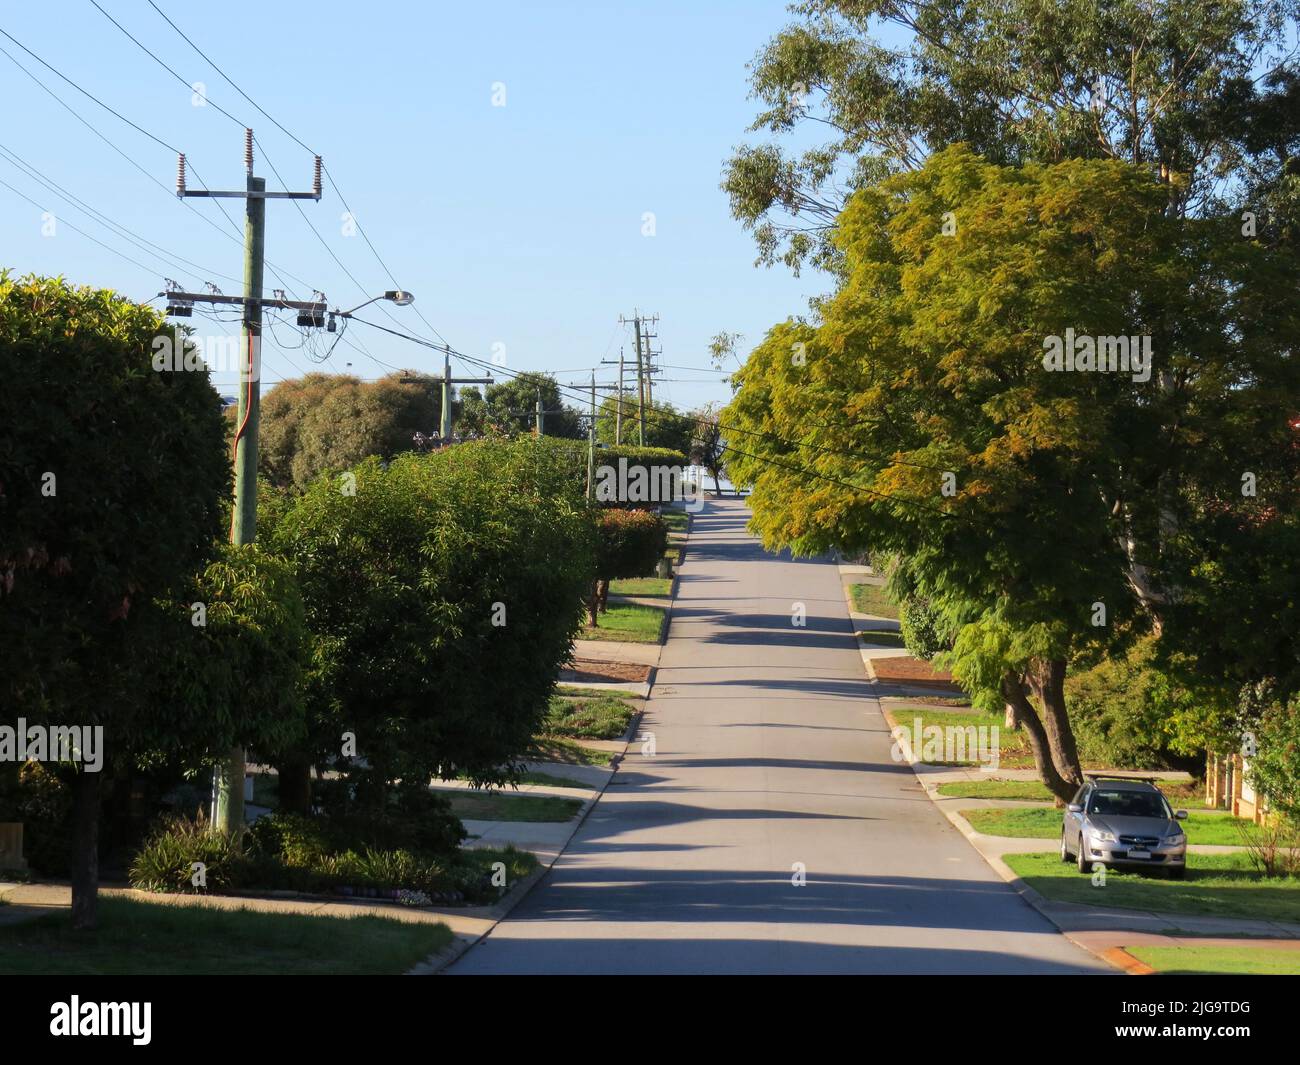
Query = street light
x=398 y=296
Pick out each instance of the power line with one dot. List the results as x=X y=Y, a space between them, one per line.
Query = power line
x=139 y=241
x=329 y=176
x=78 y=229
x=235 y=236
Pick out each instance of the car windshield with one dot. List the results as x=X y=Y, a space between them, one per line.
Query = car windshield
x=1127 y=803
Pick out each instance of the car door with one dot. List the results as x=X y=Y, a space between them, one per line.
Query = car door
x=1074 y=821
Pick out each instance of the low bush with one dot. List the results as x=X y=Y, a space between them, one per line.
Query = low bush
x=166 y=861
x=352 y=857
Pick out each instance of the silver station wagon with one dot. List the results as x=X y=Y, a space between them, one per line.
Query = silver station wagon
x=1123 y=821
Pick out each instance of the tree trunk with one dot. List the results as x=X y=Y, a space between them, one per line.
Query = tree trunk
x=1013 y=691
x=1010 y=719
x=593 y=602
x=85 y=849
x=295 y=786
x=602 y=593
x=1047 y=678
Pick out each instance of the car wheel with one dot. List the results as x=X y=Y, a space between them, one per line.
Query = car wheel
x=1065 y=852
x=1081 y=858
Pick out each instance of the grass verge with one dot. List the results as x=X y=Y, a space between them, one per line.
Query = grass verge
x=506 y=806
x=1019 y=790
x=553 y=749
x=873 y=599
x=601 y=717
x=627 y=621
x=137 y=938
x=1195 y=961
x=659 y=587
x=1216 y=885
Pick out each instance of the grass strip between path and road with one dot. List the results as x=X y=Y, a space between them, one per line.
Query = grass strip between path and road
x=874 y=600
x=1218 y=830
x=656 y=587
x=597 y=717
x=507 y=806
x=138 y=938
x=1197 y=961
x=630 y=622
x=1216 y=885
x=554 y=749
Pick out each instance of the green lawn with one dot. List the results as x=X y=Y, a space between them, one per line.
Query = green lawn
x=626 y=621
x=508 y=806
x=1216 y=885
x=882 y=638
x=1219 y=830
x=1197 y=961
x=873 y=599
x=1024 y=790
x=676 y=520
x=659 y=587
x=554 y=749
x=601 y=717
x=137 y=938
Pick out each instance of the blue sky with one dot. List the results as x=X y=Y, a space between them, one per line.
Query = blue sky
x=518 y=225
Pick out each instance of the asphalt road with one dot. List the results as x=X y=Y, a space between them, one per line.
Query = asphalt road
x=770 y=750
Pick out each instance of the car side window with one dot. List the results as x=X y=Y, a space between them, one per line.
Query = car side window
x=1081 y=796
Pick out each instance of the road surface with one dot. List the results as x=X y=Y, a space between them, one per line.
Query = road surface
x=770 y=754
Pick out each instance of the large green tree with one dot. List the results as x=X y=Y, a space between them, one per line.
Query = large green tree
x=442 y=593
x=333 y=421
x=1052 y=516
x=112 y=477
x=508 y=408
x=1198 y=91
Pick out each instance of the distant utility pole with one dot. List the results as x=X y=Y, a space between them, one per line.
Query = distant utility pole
x=638 y=321
x=618 y=397
x=444 y=430
x=541 y=415
x=228 y=781
x=591 y=428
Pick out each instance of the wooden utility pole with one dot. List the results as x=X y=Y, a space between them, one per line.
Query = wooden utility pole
x=639 y=322
x=618 y=415
x=228 y=780
x=444 y=428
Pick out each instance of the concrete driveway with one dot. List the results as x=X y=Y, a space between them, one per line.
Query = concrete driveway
x=771 y=756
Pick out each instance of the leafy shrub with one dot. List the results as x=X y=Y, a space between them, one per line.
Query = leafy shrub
x=1128 y=713
x=166 y=860
x=924 y=632
x=1275 y=767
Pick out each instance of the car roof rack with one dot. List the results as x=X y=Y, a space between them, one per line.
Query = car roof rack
x=1117 y=776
